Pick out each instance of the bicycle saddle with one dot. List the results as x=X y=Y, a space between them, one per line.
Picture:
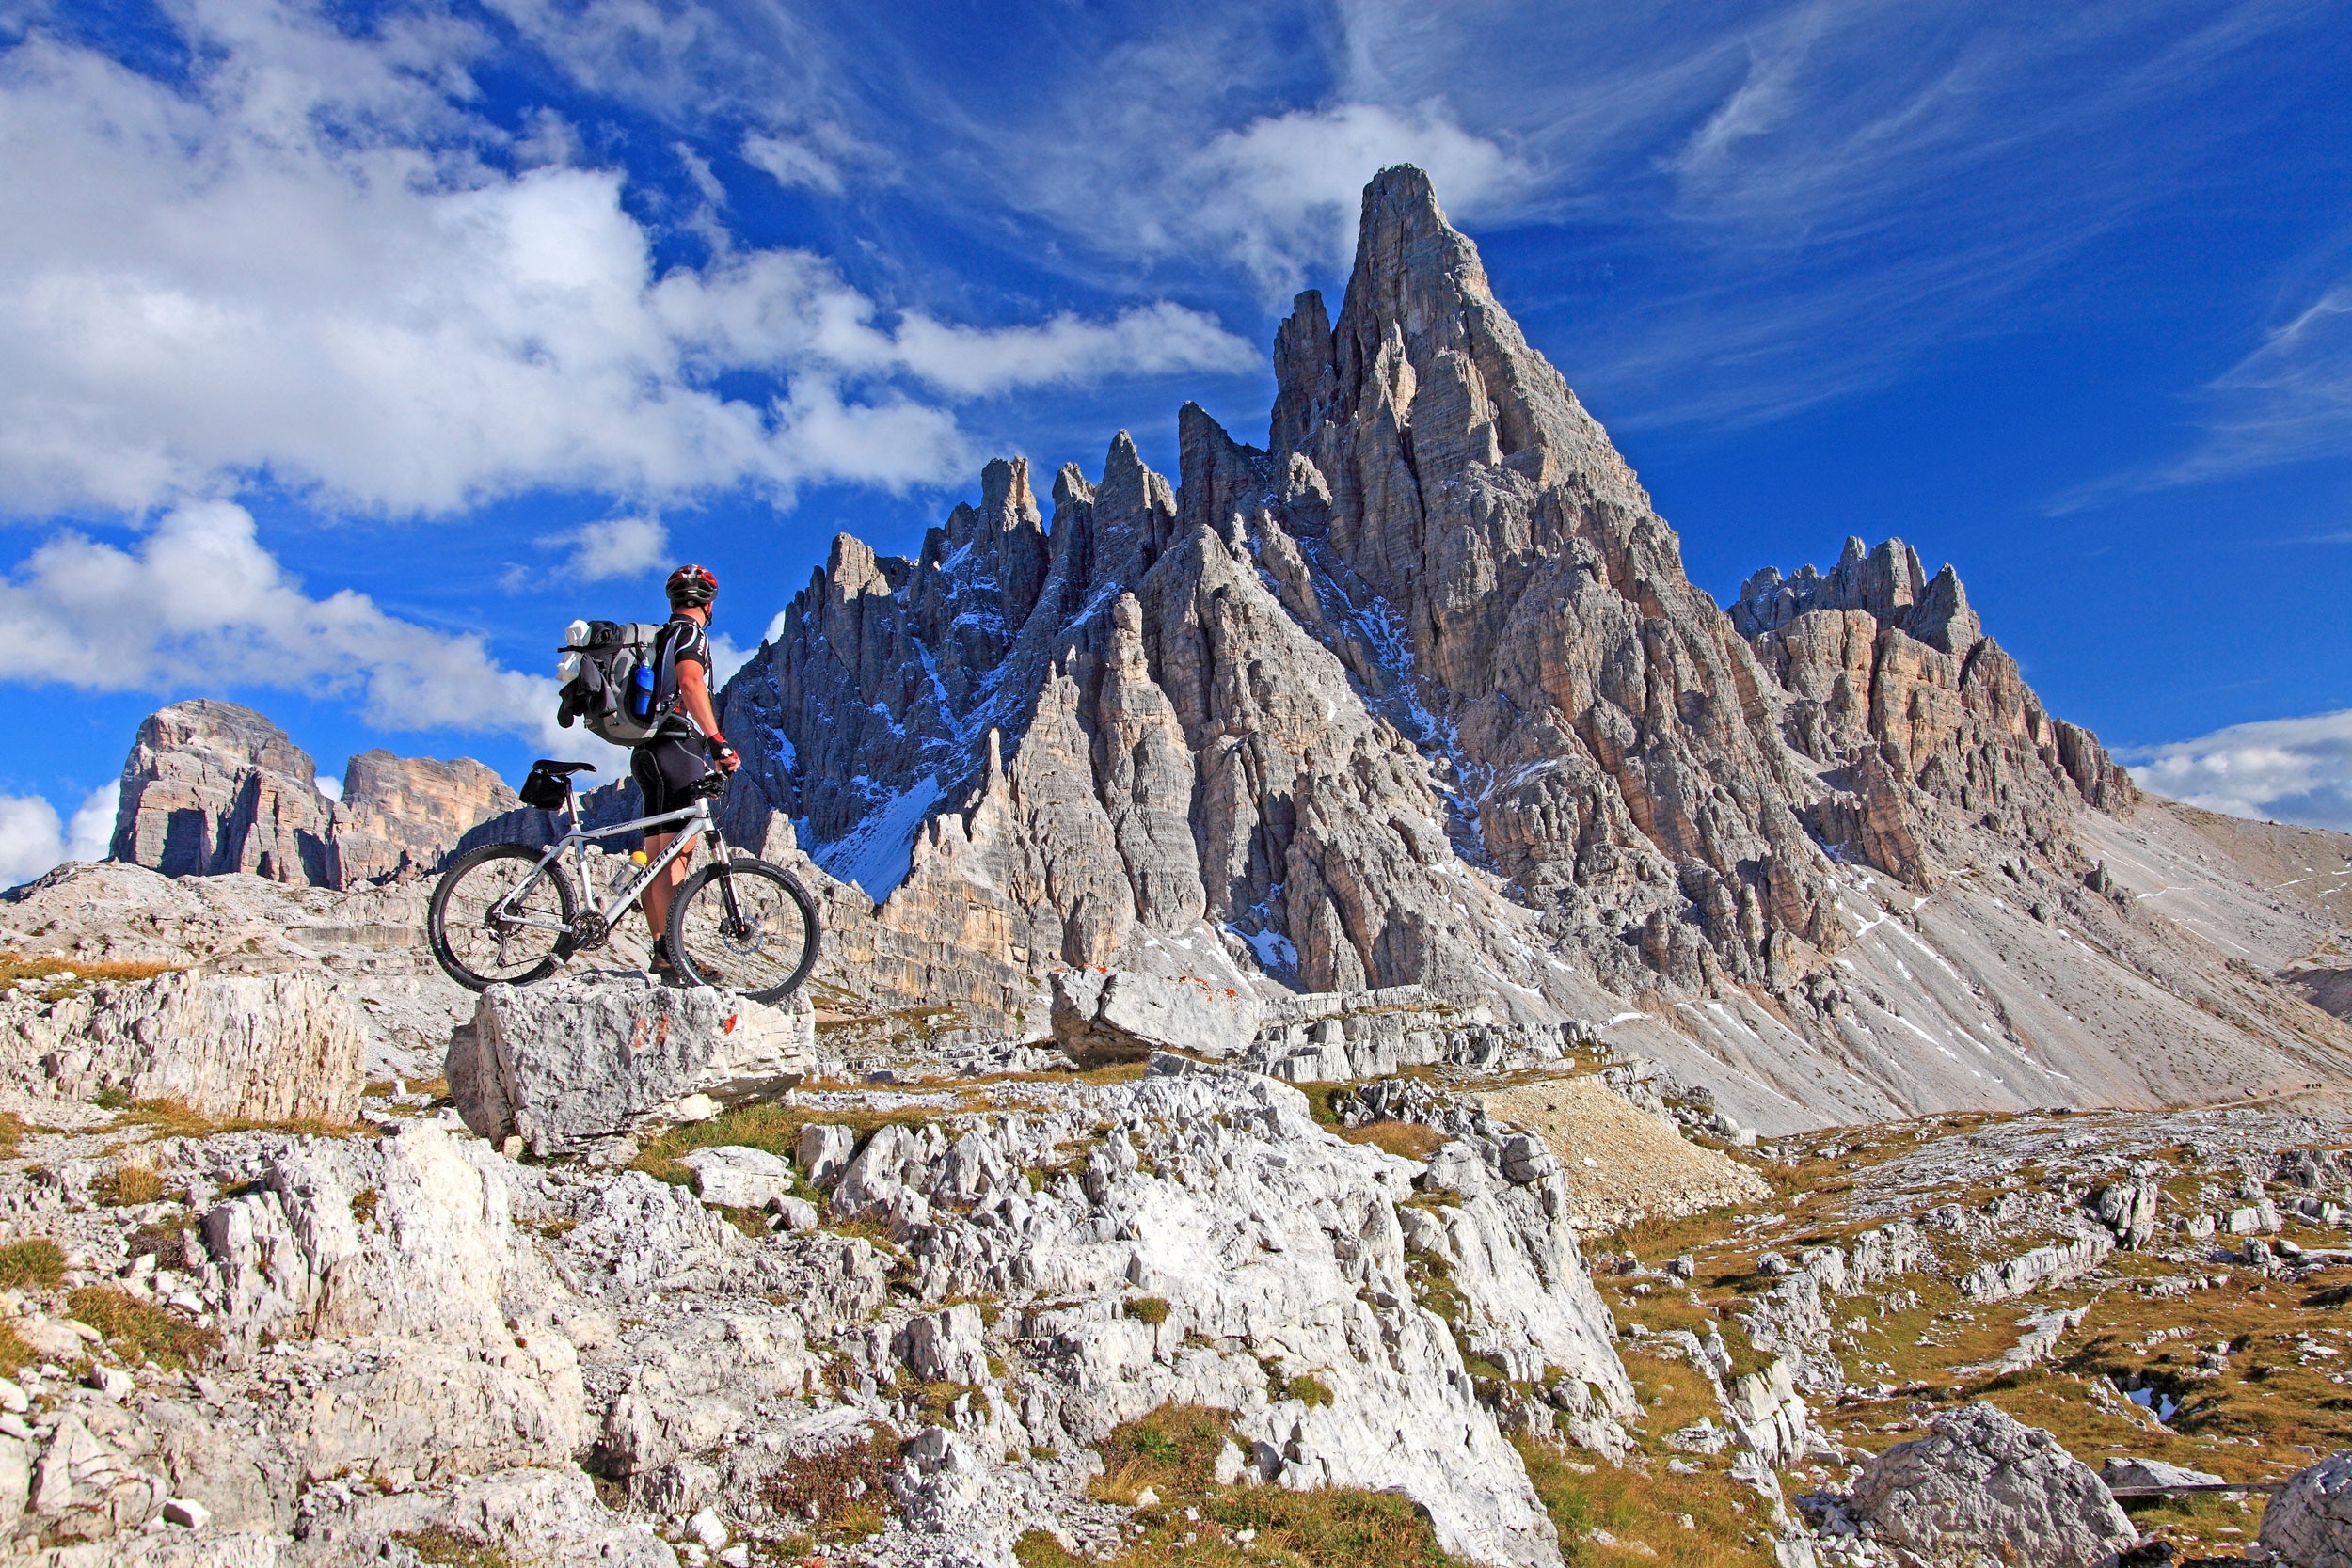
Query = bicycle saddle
x=559 y=770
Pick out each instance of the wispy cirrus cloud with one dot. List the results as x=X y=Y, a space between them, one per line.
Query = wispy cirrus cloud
x=1814 y=192
x=2287 y=401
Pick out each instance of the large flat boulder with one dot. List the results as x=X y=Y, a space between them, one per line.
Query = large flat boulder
x=369 y=941
x=1120 y=1015
x=1983 y=1490
x=255 y=1048
x=2308 y=1525
x=564 y=1064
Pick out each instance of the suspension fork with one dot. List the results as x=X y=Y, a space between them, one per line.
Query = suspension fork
x=726 y=873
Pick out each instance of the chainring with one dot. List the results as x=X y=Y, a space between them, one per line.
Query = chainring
x=590 y=931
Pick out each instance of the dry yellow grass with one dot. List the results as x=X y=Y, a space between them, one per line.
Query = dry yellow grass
x=16 y=966
x=2281 y=1397
x=1172 y=1451
x=1642 y=1506
x=140 y=1331
x=127 y=1186
x=1407 y=1138
x=768 y=1126
x=36 y=1264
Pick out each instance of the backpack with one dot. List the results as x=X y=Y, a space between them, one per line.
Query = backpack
x=617 y=680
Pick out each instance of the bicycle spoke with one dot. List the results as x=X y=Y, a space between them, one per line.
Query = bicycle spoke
x=499 y=916
x=742 y=927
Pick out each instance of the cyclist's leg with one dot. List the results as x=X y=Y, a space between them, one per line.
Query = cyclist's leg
x=658 y=891
x=653 y=790
x=665 y=770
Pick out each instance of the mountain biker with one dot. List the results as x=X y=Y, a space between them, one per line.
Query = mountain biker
x=669 y=767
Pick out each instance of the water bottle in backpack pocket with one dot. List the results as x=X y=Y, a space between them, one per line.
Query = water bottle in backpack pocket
x=641 y=691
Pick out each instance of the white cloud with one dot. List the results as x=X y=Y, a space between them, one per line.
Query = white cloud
x=791 y=162
x=726 y=658
x=331 y=787
x=1279 y=196
x=1285 y=191
x=297 y=265
x=2283 y=769
x=32 y=839
x=1151 y=340
x=92 y=827
x=615 y=548
x=198 y=603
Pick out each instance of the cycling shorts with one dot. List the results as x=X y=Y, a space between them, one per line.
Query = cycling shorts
x=666 y=770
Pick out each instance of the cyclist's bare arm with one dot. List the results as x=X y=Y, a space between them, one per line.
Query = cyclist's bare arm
x=693 y=693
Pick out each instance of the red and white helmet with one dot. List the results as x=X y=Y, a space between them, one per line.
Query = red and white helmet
x=691 y=585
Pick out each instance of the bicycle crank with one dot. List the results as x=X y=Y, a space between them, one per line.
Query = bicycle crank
x=590 y=931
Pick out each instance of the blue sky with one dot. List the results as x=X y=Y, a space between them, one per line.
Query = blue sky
x=349 y=351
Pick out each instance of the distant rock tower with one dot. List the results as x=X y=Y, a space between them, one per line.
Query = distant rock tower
x=212 y=788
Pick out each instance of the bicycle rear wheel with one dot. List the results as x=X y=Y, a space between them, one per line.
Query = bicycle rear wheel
x=476 y=923
x=747 y=926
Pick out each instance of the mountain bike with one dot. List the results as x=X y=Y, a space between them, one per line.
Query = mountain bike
x=512 y=914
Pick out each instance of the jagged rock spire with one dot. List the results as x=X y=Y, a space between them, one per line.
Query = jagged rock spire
x=1413 y=693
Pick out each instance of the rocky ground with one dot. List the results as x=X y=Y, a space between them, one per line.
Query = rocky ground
x=1163 y=1311
x=2203 y=1328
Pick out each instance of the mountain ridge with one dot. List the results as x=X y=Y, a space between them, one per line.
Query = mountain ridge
x=1419 y=693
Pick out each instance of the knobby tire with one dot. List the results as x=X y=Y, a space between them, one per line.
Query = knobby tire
x=471 y=884
x=751 y=923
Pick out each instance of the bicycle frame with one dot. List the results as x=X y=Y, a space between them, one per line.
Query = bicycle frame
x=695 y=823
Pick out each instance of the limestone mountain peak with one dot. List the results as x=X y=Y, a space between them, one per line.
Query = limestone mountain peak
x=213 y=788
x=1420 y=694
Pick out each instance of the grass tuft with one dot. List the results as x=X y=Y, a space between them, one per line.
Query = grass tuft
x=768 y=1125
x=1038 y=1549
x=140 y=1331
x=1308 y=1391
x=1408 y=1139
x=35 y=1264
x=128 y=1186
x=446 y=1549
x=175 y=1117
x=841 y=1494
x=47 y=973
x=1173 y=1452
x=1638 y=1505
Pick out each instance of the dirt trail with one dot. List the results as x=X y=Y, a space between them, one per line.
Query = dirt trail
x=1624 y=1163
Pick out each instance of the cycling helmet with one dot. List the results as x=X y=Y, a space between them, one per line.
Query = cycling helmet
x=691 y=585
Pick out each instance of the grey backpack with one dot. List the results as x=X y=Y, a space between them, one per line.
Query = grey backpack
x=617 y=680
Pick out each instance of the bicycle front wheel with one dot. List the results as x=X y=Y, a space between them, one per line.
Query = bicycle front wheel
x=498 y=918
x=747 y=926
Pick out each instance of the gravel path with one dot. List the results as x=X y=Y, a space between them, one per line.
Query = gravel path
x=1624 y=1163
